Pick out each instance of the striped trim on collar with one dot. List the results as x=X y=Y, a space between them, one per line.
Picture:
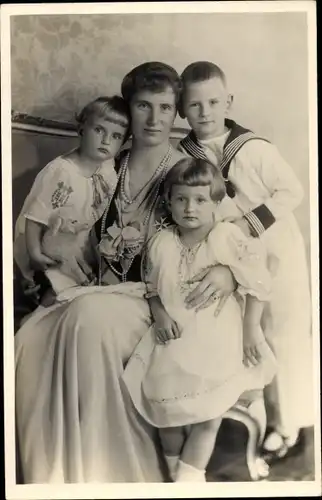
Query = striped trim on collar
x=232 y=148
x=191 y=144
x=237 y=138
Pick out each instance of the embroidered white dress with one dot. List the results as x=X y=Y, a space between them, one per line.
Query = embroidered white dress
x=261 y=176
x=200 y=375
x=62 y=184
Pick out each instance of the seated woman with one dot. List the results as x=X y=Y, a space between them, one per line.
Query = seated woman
x=74 y=423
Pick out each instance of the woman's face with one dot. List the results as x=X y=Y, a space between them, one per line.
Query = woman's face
x=152 y=114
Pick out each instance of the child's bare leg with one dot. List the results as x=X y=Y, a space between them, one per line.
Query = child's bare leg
x=197 y=450
x=172 y=439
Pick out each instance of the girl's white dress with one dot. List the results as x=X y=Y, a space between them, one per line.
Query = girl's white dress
x=261 y=176
x=200 y=375
x=61 y=185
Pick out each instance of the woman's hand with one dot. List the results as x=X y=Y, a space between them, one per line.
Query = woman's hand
x=253 y=337
x=165 y=327
x=216 y=283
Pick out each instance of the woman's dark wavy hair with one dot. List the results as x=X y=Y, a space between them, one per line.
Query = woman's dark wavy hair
x=152 y=76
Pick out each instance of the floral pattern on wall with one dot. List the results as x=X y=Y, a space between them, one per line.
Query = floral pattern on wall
x=61 y=62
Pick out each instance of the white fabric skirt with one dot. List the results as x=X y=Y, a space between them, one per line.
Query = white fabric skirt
x=199 y=376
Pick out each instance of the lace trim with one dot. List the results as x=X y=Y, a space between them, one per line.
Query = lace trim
x=192 y=394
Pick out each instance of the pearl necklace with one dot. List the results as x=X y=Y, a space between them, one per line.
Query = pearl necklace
x=162 y=170
x=124 y=169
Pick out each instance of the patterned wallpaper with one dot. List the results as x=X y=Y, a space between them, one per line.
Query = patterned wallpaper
x=60 y=62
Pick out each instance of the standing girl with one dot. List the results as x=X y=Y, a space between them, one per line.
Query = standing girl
x=191 y=378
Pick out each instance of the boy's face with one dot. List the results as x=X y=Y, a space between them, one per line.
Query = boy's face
x=152 y=116
x=102 y=137
x=206 y=105
x=191 y=206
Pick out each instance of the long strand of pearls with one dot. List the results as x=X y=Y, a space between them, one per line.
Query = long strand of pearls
x=161 y=171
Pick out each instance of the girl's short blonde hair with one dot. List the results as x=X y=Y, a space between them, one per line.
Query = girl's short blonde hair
x=195 y=172
x=101 y=107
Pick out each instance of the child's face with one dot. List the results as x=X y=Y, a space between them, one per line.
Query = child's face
x=206 y=105
x=191 y=206
x=102 y=137
x=152 y=115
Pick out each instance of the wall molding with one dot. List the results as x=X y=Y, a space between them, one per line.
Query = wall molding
x=24 y=121
x=39 y=125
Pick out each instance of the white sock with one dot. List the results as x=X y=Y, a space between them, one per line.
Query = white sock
x=172 y=462
x=291 y=436
x=275 y=441
x=188 y=473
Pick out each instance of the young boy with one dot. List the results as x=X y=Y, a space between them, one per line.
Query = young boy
x=78 y=184
x=266 y=191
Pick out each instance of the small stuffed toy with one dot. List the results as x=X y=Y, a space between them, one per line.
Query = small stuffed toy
x=66 y=241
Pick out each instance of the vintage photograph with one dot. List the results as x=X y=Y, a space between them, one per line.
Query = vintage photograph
x=160 y=249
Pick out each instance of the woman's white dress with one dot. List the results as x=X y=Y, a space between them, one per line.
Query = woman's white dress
x=200 y=375
x=74 y=422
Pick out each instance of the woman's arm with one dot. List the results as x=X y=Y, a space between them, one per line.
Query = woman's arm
x=217 y=282
x=242 y=262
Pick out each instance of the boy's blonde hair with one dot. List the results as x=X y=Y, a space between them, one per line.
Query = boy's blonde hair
x=195 y=172
x=199 y=71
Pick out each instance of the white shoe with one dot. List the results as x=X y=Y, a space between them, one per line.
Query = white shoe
x=172 y=462
x=187 y=473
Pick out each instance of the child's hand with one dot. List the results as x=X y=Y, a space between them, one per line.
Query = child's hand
x=253 y=338
x=243 y=225
x=165 y=328
x=40 y=261
x=31 y=290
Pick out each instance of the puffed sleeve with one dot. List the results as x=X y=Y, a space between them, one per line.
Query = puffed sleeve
x=51 y=190
x=285 y=190
x=246 y=258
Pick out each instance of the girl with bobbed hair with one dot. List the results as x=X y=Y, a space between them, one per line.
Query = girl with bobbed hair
x=74 y=421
